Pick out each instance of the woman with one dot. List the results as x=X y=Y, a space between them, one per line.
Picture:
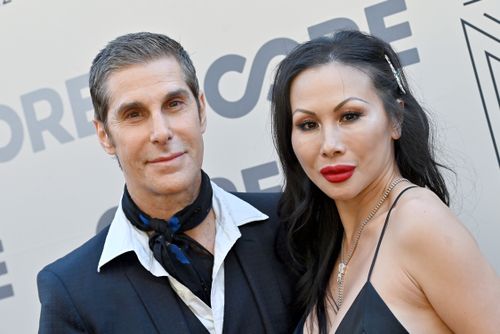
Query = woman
x=365 y=204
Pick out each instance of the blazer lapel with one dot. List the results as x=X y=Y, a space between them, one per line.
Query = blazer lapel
x=159 y=299
x=261 y=271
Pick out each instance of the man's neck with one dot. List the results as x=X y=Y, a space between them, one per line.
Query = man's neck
x=204 y=233
x=163 y=205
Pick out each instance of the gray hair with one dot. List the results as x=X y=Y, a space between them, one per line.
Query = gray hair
x=132 y=49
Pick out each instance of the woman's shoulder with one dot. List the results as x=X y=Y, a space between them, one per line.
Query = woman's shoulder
x=442 y=259
x=421 y=219
x=429 y=237
x=422 y=199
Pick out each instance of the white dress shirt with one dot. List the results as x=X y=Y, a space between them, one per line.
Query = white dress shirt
x=230 y=212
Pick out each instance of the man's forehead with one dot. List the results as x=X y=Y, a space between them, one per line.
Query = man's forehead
x=166 y=68
x=161 y=76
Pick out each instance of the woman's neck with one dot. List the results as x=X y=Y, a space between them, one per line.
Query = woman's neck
x=353 y=212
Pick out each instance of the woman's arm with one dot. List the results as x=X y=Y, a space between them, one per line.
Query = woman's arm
x=445 y=261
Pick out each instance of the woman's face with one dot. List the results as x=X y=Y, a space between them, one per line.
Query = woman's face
x=341 y=133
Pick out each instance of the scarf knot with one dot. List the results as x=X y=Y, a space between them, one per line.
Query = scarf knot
x=181 y=256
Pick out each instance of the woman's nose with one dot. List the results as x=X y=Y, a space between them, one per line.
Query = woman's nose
x=332 y=142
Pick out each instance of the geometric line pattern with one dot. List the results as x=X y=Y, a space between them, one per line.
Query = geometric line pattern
x=489 y=56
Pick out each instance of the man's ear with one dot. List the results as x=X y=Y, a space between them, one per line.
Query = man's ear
x=202 y=112
x=104 y=139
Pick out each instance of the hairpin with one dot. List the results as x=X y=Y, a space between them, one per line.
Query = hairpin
x=397 y=74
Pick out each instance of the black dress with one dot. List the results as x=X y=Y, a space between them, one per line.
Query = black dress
x=369 y=313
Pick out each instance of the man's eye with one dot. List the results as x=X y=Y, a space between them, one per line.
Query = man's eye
x=174 y=104
x=133 y=114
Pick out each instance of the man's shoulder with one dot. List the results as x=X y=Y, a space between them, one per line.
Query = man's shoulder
x=259 y=197
x=85 y=257
x=265 y=202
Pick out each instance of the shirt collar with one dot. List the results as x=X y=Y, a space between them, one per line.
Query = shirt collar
x=231 y=212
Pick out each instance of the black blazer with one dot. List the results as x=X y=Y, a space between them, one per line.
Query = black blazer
x=125 y=298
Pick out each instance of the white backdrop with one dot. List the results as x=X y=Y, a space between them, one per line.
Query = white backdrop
x=56 y=182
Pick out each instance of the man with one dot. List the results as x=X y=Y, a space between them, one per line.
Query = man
x=181 y=255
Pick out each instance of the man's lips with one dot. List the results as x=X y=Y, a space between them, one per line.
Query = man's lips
x=166 y=158
x=337 y=173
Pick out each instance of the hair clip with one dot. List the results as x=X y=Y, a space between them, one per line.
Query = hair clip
x=397 y=74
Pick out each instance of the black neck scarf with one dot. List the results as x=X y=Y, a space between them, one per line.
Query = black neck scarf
x=181 y=256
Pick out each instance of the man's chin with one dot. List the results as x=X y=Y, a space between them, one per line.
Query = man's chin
x=174 y=184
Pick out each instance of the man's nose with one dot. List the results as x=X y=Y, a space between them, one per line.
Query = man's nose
x=161 y=131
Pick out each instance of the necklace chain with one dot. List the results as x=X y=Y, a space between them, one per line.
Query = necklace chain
x=343 y=263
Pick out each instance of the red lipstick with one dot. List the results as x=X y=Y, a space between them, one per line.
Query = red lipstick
x=337 y=173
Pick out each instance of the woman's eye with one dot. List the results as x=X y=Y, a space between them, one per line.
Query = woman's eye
x=308 y=125
x=349 y=117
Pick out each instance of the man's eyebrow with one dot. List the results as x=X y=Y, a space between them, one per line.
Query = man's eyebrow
x=127 y=106
x=181 y=92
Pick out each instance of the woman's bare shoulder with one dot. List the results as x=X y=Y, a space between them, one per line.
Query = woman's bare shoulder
x=441 y=256
x=421 y=216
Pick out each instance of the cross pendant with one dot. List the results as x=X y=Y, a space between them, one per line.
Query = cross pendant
x=340 y=275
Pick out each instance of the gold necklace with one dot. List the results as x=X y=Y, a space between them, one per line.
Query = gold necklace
x=343 y=263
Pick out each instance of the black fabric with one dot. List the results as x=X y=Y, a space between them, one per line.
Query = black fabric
x=253 y=251
x=152 y=292
x=369 y=313
x=238 y=296
x=126 y=298
x=181 y=256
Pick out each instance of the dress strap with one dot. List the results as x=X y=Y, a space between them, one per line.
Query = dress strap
x=383 y=230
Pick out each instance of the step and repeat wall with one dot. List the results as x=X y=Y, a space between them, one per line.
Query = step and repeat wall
x=57 y=186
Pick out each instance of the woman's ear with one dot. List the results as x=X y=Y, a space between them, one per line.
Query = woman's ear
x=397 y=121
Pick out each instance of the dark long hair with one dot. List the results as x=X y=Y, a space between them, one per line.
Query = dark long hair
x=314 y=229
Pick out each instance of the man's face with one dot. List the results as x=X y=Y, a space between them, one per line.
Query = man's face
x=154 y=128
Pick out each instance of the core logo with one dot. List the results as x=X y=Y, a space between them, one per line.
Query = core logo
x=42 y=109
x=375 y=16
